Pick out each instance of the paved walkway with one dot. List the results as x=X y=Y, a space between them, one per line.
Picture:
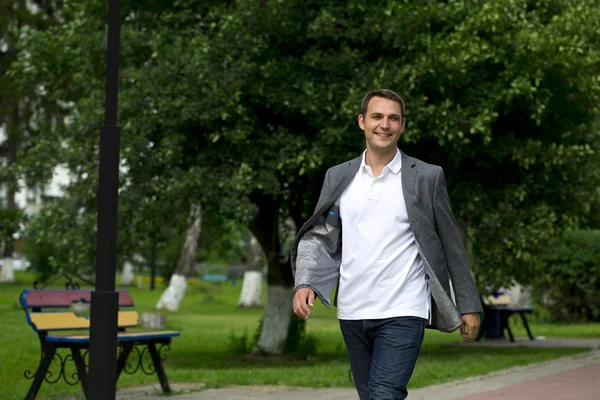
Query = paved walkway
x=525 y=382
x=541 y=341
x=581 y=383
x=568 y=378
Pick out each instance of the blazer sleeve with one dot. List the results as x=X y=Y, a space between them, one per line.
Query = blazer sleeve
x=322 y=196
x=463 y=284
x=317 y=256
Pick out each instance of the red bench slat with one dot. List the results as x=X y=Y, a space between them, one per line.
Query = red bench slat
x=64 y=298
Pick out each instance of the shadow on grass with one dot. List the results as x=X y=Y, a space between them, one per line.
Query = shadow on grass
x=225 y=360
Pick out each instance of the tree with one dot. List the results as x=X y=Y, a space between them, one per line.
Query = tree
x=18 y=103
x=252 y=285
x=171 y=298
x=9 y=224
x=486 y=92
x=243 y=105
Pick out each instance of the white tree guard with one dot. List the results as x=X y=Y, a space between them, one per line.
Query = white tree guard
x=6 y=271
x=171 y=298
x=127 y=275
x=276 y=320
x=251 y=290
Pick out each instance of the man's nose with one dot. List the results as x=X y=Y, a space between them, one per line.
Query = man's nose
x=385 y=123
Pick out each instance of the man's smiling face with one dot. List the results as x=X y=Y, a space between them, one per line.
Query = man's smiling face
x=383 y=124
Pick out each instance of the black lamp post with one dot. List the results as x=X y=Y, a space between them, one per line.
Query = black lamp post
x=105 y=301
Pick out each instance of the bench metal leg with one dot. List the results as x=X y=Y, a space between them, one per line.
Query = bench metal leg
x=482 y=328
x=125 y=350
x=47 y=355
x=160 y=371
x=526 y=326
x=507 y=326
x=81 y=370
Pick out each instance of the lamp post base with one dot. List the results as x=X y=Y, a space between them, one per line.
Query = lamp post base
x=103 y=345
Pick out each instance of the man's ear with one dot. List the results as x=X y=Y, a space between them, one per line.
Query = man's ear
x=361 y=121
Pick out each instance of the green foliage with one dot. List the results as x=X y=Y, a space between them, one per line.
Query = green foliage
x=243 y=105
x=222 y=240
x=57 y=238
x=25 y=111
x=298 y=342
x=239 y=345
x=571 y=283
x=41 y=256
x=10 y=220
x=167 y=255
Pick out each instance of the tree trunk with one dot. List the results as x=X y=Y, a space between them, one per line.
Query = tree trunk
x=171 y=298
x=6 y=272
x=153 y=267
x=127 y=275
x=252 y=285
x=278 y=310
x=12 y=132
x=276 y=320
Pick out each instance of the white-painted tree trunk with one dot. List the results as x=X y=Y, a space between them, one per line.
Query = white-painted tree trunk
x=172 y=297
x=276 y=320
x=252 y=285
x=6 y=271
x=251 y=290
x=127 y=275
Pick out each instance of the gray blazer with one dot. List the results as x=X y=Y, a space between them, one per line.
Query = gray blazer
x=316 y=252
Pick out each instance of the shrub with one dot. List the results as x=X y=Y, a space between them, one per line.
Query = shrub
x=40 y=256
x=569 y=290
x=239 y=345
x=298 y=342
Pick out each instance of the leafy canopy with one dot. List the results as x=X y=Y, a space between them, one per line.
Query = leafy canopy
x=243 y=105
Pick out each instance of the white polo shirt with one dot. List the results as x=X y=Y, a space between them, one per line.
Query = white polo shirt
x=382 y=274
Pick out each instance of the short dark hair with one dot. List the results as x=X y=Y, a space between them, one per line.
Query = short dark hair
x=386 y=94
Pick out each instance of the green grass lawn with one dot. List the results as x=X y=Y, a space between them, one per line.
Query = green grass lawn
x=207 y=319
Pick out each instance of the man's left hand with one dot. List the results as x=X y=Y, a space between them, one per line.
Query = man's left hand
x=469 y=326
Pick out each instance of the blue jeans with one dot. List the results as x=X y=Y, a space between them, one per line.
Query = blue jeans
x=383 y=353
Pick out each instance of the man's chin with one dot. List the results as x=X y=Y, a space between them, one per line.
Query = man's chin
x=383 y=148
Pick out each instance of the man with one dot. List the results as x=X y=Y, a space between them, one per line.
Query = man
x=384 y=233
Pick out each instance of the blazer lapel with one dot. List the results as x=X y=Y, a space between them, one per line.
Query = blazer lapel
x=339 y=183
x=409 y=175
x=344 y=179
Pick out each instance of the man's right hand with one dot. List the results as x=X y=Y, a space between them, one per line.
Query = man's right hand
x=304 y=298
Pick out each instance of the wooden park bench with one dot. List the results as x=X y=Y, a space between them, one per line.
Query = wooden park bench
x=43 y=312
x=220 y=278
x=221 y=273
x=496 y=319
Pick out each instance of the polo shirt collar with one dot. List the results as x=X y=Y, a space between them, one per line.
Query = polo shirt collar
x=395 y=165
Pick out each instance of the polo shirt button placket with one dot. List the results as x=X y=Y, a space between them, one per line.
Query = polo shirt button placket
x=375 y=185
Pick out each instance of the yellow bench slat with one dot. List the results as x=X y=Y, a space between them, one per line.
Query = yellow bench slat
x=69 y=320
x=128 y=318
